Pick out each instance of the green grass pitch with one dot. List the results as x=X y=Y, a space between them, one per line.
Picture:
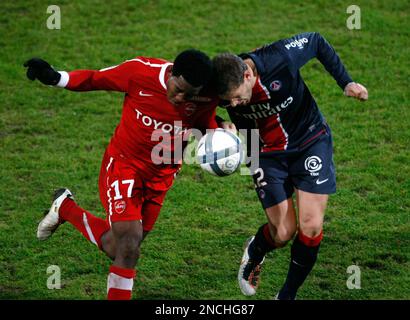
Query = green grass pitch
x=51 y=137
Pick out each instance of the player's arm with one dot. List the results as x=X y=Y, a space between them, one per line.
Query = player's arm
x=306 y=46
x=114 y=78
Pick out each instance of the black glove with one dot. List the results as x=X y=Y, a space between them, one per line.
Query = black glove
x=40 y=69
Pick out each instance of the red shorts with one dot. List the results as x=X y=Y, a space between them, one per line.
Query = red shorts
x=128 y=191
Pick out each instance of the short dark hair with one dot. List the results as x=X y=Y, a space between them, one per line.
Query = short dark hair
x=228 y=72
x=194 y=65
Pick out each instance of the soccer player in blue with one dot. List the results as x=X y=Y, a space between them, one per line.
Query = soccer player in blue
x=264 y=90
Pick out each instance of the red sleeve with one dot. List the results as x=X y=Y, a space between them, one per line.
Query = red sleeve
x=114 y=78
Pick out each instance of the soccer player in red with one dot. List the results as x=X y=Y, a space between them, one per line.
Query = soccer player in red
x=163 y=101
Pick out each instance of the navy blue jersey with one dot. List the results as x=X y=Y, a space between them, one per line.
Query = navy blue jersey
x=282 y=107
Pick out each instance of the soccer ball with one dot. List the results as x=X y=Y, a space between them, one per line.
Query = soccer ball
x=220 y=152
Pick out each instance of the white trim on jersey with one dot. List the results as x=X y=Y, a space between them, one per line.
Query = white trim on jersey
x=109 y=164
x=264 y=88
x=136 y=59
x=163 y=67
x=108 y=194
x=65 y=77
x=157 y=65
x=109 y=204
x=284 y=132
x=108 y=68
x=277 y=117
x=162 y=74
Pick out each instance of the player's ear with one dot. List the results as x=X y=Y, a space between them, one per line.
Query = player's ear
x=248 y=74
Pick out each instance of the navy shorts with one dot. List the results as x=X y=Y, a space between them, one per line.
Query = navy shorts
x=311 y=170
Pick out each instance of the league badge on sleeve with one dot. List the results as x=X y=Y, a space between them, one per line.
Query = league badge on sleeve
x=275 y=85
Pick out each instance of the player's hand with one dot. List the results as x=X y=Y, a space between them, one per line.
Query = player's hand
x=39 y=69
x=356 y=90
x=229 y=126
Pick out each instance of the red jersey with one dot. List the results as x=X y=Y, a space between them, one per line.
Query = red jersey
x=151 y=129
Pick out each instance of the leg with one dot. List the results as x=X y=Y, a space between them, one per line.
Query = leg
x=150 y=212
x=108 y=243
x=306 y=245
x=128 y=237
x=65 y=209
x=120 y=188
x=282 y=222
x=311 y=208
x=280 y=228
x=124 y=241
x=313 y=175
x=275 y=193
x=119 y=201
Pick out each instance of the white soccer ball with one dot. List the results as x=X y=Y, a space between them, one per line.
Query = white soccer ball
x=220 y=152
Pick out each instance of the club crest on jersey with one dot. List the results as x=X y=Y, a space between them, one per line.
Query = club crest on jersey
x=119 y=206
x=275 y=85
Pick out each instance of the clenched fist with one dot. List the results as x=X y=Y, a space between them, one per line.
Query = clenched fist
x=356 y=90
x=229 y=126
x=41 y=70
